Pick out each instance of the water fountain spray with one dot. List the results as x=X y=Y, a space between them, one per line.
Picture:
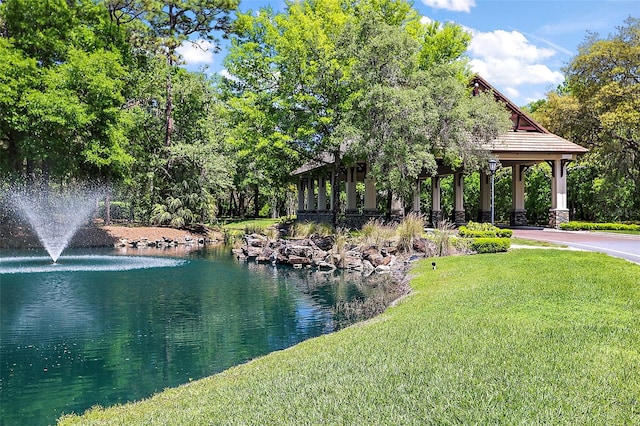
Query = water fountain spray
x=55 y=215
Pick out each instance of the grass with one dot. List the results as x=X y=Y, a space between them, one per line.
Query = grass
x=534 y=243
x=627 y=232
x=241 y=225
x=525 y=337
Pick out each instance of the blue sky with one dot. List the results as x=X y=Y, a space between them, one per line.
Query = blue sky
x=519 y=46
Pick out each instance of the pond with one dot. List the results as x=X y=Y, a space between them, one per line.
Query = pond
x=73 y=337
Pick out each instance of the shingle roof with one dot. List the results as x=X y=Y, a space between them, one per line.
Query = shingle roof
x=535 y=142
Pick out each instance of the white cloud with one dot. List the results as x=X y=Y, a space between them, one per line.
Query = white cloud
x=509 y=59
x=197 y=52
x=454 y=5
x=425 y=20
x=226 y=74
x=512 y=93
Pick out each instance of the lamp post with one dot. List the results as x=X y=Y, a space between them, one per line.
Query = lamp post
x=493 y=165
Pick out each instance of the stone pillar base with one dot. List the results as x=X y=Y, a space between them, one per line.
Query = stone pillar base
x=436 y=217
x=518 y=218
x=485 y=216
x=558 y=216
x=459 y=217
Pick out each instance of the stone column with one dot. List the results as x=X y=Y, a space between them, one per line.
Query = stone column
x=301 y=195
x=370 y=195
x=559 y=212
x=311 y=196
x=322 y=194
x=352 y=200
x=459 y=217
x=436 y=207
x=485 y=198
x=416 y=197
x=397 y=207
x=518 y=212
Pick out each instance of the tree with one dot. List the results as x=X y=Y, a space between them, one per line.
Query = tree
x=164 y=25
x=605 y=79
x=417 y=105
x=599 y=108
x=66 y=119
x=291 y=80
x=351 y=78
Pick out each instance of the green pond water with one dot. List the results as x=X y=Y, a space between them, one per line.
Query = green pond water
x=102 y=328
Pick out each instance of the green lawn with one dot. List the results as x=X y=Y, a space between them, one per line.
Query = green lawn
x=628 y=232
x=241 y=225
x=533 y=243
x=525 y=337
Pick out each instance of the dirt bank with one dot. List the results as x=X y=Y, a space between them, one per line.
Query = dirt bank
x=19 y=236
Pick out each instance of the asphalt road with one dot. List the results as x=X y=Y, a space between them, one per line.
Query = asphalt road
x=617 y=245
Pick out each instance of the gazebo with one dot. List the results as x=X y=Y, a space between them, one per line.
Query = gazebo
x=527 y=144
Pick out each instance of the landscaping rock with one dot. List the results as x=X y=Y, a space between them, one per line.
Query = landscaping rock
x=323 y=243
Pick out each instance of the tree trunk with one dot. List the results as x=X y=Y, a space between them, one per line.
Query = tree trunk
x=389 y=204
x=256 y=205
x=169 y=112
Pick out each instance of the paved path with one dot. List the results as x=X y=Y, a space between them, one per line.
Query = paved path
x=618 y=245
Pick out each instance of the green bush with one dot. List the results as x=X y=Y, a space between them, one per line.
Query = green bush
x=504 y=233
x=484 y=232
x=490 y=245
x=119 y=210
x=589 y=226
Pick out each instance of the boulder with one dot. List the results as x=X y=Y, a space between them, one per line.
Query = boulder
x=323 y=243
x=299 y=260
x=299 y=250
x=383 y=269
x=367 y=266
x=424 y=245
x=252 y=252
x=255 y=242
x=353 y=262
x=326 y=265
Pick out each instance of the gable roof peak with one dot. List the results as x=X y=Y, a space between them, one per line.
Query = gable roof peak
x=521 y=120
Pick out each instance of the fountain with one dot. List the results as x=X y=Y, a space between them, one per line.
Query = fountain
x=55 y=217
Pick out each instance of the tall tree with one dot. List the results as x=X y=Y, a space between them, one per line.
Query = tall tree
x=289 y=73
x=66 y=118
x=163 y=25
x=599 y=108
x=361 y=78
x=605 y=79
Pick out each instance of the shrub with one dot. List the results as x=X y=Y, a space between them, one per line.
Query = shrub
x=340 y=247
x=490 y=245
x=304 y=230
x=589 y=226
x=504 y=233
x=484 y=230
x=462 y=245
x=119 y=210
x=469 y=233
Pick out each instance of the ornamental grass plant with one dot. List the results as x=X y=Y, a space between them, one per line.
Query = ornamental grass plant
x=410 y=229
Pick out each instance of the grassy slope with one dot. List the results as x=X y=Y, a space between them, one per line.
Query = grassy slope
x=530 y=336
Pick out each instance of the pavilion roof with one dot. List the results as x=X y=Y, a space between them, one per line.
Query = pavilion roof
x=527 y=136
x=535 y=142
